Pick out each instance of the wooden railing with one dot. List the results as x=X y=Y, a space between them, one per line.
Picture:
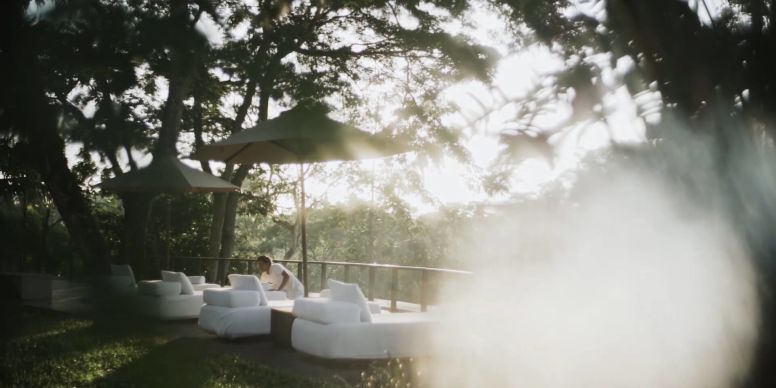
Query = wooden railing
x=372 y=269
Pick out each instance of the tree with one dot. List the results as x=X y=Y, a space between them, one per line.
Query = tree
x=29 y=124
x=314 y=51
x=715 y=81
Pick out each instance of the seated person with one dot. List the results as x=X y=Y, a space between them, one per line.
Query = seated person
x=281 y=278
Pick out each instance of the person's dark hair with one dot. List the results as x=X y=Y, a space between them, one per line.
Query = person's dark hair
x=265 y=259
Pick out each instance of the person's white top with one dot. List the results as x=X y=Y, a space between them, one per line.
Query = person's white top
x=293 y=288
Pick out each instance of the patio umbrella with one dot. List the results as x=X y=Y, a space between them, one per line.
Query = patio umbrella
x=304 y=134
x=165 y=174
x=169 y=175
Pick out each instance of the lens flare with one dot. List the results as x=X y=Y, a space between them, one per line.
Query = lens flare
x=623 y=286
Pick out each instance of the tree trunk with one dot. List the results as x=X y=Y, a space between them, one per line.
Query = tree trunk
x=216 y=229
x=26 y=111
x=73 y=207
x=221 y=239
x=230 y=219
x=137 y=212
x=137 y=206
x=182 y=68
x=42 y=249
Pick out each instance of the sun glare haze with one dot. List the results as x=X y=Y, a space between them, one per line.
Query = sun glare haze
x=316 y=193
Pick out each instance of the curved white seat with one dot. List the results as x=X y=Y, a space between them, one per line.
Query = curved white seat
x=344 y=327
x=158 y=288
x=174 y=297
x=235 y=322
x=387 y=336
x=171 y=307
x=241 y=311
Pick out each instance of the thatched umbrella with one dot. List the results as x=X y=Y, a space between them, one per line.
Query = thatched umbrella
x=167 y=174
x=304 y=134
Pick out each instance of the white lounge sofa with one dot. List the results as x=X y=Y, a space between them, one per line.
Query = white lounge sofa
x=342 y=327
x=173 y=297
x=242 y=310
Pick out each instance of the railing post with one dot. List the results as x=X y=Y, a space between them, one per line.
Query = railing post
x=394 y=288
x=323 y=276
x=225 y=267
x=299 y=270
x=423 y=290
x=347 y=274
x=371 y=285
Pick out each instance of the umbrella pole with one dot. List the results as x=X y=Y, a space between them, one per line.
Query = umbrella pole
x=304 y=230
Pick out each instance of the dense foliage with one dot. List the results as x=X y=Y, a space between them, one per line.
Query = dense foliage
x=164 y=78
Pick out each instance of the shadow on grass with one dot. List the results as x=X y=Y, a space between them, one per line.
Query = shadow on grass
x=185 y=362
x=54 y=349
x=180 y=362
x=44 y=349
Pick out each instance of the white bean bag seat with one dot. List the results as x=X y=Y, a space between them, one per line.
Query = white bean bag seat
x=240 y=311
x=343 y=327
x=173 y=298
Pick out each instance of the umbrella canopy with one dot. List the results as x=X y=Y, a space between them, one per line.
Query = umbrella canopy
x=304 y=134
x=170 y=175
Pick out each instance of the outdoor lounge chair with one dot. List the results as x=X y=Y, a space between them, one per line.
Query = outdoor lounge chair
x=121 y=278
x=342 y=327
x=197 y=282
x=173 y=297
x=240 y=311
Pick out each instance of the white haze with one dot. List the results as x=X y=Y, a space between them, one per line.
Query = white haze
x=630 y=284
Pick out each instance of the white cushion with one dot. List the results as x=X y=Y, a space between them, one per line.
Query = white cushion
x=197 y=279
x=244 y=282
x=326 y=311
x=374 y=306
x=204 y=286
x=351 y=293
x=248 y=282
x=159 y=288
x=119 y=283
x=169 y=276
x=231 y=298
x=123 y=270
x=186 y=287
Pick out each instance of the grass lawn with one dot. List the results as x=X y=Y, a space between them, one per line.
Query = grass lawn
x=42 y=348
